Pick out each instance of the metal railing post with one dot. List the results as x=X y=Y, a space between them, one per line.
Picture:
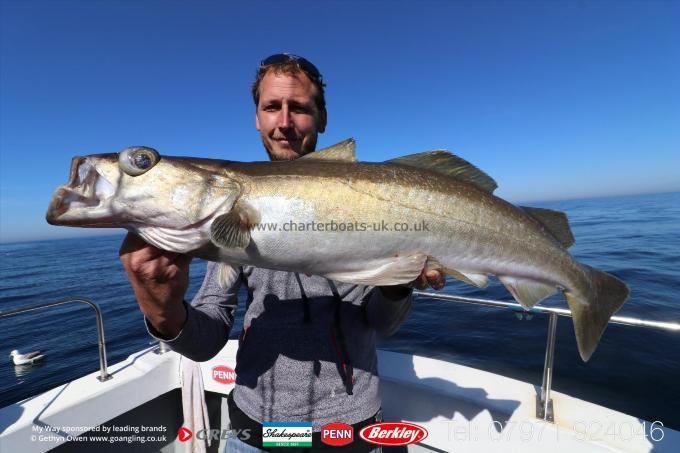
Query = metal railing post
x=103 y=372
x=163 y=348
x=544 y=407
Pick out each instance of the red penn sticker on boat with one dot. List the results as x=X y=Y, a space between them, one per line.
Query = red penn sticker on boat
x=223 y=374
x=393 y=433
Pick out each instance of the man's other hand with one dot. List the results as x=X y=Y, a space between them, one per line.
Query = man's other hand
x=431 y=277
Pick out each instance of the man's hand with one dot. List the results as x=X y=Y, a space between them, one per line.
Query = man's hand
x=159 y=279
x=431 y=277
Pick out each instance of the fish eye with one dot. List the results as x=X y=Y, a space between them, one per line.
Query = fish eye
x=137 y=160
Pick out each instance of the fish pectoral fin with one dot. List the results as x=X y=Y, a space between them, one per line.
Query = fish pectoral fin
x=527 y=292
x=471 y=278
x=396 y=270
x=345 y=151
x=555 y=222
x=447 y=164
x=232 y=230
x=227 y=274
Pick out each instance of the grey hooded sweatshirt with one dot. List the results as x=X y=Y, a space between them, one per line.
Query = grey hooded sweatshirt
x=300 y=345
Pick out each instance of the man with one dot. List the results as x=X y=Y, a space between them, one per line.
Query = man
x=307 y=348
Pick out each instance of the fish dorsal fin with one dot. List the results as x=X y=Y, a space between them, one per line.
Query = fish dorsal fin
x=345 y=151
x=555 y=222
x=447 y=164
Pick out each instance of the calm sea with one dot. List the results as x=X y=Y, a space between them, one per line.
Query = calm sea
x=635 y=370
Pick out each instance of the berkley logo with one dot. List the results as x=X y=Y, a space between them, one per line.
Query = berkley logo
x=223 y=374
x=393 y=433
x=337 y=434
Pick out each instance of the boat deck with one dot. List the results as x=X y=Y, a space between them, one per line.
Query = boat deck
x=463 y=409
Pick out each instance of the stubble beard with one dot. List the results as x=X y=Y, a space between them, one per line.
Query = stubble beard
x=289 y=154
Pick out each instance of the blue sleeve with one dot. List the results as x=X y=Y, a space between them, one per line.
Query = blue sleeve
x=210 y=318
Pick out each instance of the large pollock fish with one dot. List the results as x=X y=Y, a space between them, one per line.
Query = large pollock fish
x=280 y=215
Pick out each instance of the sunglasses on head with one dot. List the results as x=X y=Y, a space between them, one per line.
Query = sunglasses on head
x=303 y=63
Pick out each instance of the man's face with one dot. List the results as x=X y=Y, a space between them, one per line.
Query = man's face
x=287 y=116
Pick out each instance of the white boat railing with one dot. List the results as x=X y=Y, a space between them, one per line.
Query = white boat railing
x=103 y=372
x=544 y=407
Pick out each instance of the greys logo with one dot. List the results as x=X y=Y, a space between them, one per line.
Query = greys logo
x=217 y=434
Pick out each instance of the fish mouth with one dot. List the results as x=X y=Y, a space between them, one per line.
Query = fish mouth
x=83 y=198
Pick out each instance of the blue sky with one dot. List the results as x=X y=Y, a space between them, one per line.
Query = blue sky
x=554 y=99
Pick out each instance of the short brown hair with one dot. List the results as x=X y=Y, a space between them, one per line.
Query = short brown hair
x=291 y=68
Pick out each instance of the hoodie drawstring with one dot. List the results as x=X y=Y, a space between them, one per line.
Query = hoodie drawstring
x=346 y=370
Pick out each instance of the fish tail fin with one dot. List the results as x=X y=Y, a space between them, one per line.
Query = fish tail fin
x=591 y=313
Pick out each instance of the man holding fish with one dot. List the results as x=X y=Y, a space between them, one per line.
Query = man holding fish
x=307 y=348
x=215 y=209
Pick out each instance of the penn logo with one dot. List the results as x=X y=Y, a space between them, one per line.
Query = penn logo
x=393 y=433
x=337 y=434
x=223 y=374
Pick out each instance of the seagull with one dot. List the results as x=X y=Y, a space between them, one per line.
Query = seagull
x=23 y=359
